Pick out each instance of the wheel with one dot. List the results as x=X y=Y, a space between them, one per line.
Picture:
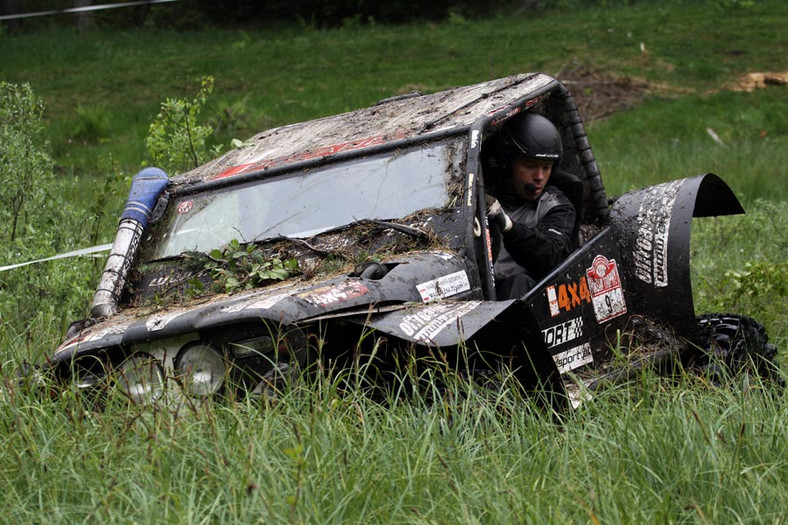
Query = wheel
x=734 y=344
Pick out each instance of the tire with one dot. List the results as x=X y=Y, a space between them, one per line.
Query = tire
x=734 y=344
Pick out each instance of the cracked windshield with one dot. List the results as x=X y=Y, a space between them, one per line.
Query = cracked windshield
x=305 y=204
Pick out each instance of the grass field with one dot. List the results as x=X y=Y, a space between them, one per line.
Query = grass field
x=651 y=452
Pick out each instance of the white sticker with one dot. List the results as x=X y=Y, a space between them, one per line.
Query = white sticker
x=158 y=321
x=563 y=333
x=262 y=304
x=443 y=287
x=552 y=299
x=428 y=322
x=604 y=283
x=578 y=356
x=474 y=138
x=651 y=244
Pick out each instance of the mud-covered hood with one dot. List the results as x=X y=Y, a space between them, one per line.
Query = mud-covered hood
x=414 y=280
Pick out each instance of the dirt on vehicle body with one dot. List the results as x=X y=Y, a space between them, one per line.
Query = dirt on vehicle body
x=367 y=232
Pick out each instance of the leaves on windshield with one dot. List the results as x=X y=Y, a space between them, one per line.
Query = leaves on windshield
x=241 y=267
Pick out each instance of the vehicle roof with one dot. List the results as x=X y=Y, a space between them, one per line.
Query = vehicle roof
x=396 y=119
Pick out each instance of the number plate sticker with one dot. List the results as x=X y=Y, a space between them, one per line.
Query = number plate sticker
x=607 y=296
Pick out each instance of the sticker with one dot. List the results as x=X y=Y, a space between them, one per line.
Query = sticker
x=475 y=138
x=158 y=282
x=567 y=296
x=87 y=335
x=157 y=322
x=563 y=333
x=469 y=189
x=185 y=207
x=428 y=322
x=573 y=358
x=552 y=299
x=261 y=304
x=328 y=295
x=325 y=151
x=605 y=285
x=651 y=244
x=115 y=329
x=443 y=287
x=442 y=255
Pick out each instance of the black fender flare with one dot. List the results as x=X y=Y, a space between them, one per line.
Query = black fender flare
x=652 y=230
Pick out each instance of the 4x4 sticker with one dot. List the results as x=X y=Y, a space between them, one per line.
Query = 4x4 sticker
x=567 y=296
x=606 y=293
x=443 y=287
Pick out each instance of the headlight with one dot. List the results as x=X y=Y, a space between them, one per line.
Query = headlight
x=141 y=378
x=258 y=346
x=288 y=343
x=202 y=368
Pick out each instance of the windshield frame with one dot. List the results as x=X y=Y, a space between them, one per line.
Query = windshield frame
x=453 y=184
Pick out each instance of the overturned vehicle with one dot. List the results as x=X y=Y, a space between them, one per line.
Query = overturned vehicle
x=367 y=234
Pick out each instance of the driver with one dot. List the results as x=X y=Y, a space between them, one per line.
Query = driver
x=536 y=220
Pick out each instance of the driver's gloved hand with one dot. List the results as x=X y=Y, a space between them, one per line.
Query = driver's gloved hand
x=496 y=214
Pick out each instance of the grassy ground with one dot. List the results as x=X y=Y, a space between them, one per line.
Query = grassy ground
x=650 y=452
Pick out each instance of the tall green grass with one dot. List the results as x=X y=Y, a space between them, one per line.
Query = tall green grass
x=649 y=453
x=668 y=138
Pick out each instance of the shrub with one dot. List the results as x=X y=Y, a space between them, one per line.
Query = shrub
x=176 y=142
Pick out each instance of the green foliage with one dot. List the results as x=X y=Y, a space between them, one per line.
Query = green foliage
x=176 y=141
x=739 y=266
x=756 y=285
x=37 y=220
x=241 y=267
x=92 y=124
x=668 y=138
x=25 y=167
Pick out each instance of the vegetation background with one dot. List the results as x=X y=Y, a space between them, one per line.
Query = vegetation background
x=78 y=106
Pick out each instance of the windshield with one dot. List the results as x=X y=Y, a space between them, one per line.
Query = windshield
x=303 y=204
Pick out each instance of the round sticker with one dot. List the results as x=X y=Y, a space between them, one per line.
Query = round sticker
x=185 y=207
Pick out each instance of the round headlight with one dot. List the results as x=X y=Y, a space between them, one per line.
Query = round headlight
x=202 y=368
x=141 y=378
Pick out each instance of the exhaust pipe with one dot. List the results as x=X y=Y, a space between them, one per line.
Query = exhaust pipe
x=146 y=187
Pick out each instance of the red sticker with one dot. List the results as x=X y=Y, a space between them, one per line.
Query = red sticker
x=185 y=207
x=606 y=293
x=328 y=295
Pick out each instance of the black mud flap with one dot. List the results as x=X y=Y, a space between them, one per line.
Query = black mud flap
x=440 y=324
x=652 y=229
x=497 y=327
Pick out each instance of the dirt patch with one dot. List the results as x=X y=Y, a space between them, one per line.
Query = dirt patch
x=598 y=95
x=753 y=81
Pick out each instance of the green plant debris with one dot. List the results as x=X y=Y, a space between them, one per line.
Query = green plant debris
x=239 y=267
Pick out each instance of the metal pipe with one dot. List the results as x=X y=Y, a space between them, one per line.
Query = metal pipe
x=146 y=187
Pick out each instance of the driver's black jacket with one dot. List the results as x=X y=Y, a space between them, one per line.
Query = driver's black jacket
x=541 y=235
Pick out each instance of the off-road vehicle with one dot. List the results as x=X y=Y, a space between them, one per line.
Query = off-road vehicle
x=365 y=234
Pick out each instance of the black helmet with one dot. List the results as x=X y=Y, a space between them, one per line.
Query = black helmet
x=533 y=136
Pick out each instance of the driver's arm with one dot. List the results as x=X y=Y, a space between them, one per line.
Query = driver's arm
x=541 y=248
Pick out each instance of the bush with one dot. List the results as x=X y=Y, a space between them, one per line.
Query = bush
x=36 y=221
x=25 y=167
x=176 y=141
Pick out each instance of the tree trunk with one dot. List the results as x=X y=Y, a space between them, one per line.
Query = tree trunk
x=84 y=18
